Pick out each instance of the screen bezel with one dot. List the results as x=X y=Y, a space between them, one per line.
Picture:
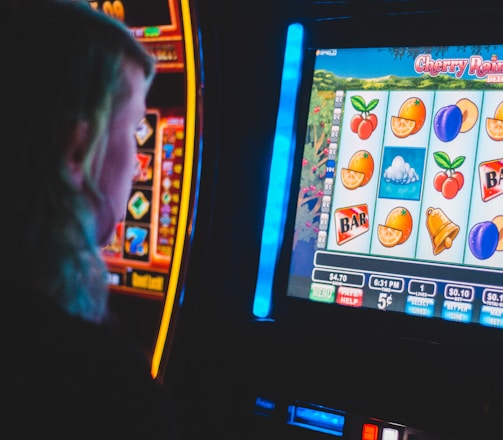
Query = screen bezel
x=442 y=30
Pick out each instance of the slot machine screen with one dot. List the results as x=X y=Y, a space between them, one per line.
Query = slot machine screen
x=139 y=255
x=138 y=14
x=157 y=25
x=397 y=194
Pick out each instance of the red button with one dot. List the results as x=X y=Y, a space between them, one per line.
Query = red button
x=369 y=432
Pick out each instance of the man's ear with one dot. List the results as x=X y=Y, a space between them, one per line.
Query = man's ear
x=76 y=151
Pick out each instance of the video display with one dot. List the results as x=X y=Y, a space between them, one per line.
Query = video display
x=398 y=203
x=156 y=26
x=157 y=12
x=139 y=255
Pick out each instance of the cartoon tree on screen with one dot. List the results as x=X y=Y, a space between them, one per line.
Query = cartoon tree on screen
x=314 y=165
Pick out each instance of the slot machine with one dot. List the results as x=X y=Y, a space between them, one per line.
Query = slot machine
x=351 y=283
x=147 y=254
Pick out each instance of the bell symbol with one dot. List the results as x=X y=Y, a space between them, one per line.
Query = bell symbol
x=441 y=229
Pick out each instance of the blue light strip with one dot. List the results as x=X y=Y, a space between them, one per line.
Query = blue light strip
x=281 y=171
x=318 y=419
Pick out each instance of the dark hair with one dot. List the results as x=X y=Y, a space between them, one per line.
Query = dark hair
x=62 y=65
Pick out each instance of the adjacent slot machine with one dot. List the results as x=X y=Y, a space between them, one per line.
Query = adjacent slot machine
x=149 y=249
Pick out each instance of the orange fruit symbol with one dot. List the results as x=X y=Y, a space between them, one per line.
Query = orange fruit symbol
x=399 y=219
x=494 y=126
x=410 y=118
x=359 y=170
x=413 y=109
x=388 y=237
x=363 y=162
x=351 y=179
x=498 y=114
x=494 y=129
x=402 y=127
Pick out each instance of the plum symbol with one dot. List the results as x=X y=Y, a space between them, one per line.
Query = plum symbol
x=447 y=123
x=454 y=119
x=483 y=239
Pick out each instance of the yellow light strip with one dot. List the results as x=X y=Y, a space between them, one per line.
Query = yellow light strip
x=181 y=231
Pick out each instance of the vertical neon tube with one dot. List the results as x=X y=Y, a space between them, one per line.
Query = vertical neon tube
x=184 y=213
x=281 y=171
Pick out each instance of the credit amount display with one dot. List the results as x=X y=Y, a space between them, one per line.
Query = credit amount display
x=399 y=202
